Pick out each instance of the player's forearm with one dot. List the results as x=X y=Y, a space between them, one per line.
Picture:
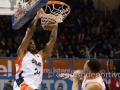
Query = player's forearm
x=75 y=85
x=32 y=25
x=54 y=34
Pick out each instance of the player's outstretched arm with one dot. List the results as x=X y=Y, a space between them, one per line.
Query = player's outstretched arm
x=65 y=76
x=75 y=84
x=49 y=46
x=76 y=77
x=29 y=33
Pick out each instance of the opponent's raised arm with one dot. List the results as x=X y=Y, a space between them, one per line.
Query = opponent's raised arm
x=76 y=79
x=29 y=33
x=49 y=46
x=75 y=85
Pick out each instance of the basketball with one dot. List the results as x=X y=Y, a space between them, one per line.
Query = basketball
x=50 y=26
x=48 y=22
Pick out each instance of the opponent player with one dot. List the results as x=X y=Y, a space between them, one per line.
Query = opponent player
x=29 y=65
x=92 y=79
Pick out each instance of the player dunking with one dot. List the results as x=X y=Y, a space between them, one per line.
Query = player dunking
x=29 y=65
x=92 y=79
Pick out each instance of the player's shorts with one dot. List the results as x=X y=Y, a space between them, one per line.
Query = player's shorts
x=23 y=86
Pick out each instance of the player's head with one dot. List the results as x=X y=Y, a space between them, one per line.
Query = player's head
x=9 y=82
x=59 y=88
x=45 y=88
x=92 y=65
x=32 y=46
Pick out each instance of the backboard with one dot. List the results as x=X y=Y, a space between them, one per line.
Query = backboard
x=21 y=10
x=27 y=9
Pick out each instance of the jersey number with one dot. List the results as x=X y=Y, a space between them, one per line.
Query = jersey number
x=37 y=72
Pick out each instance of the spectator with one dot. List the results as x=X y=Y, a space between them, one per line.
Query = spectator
x=8 y=32
x=77 y=51
x=107 y=48
x=38 y=42
x=69 y=52
x=59 y=88
x=87 y=39
x=114 y=81
x=98 y=46
x=94 y=29
x=10 y=45
x=57 y=44
x=61 y=52
x=0 y=36
x=81 y=36
x=8 y=53
x=112 y=40
x=45 y=88
x=8 y=86
x=45 y=38
x=83 y=51
x=62 y=38
x=90 y=5
x=41 y=46
x=117 y=62
x=3 y=42
x=100 y=55
x=18 y=38
x=55 y=53
x=2 y=53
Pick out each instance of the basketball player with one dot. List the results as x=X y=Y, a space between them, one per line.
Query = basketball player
x=29 y=65
x=92 y=79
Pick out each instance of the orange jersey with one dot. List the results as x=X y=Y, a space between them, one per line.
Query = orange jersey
x=98 y=79
x=29 y=69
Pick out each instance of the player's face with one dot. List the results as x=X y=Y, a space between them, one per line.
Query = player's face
x=9 y=83
x=86 y=68
x=46 y=89
x=59 y=88
x=32 y=46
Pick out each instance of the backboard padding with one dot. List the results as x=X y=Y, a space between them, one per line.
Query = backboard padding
x=25 y=13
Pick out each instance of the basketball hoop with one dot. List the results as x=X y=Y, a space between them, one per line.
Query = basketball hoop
x=59 y=11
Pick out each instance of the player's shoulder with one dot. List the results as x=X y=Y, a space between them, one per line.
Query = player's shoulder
x=23 y=54
x=20 y=57
x=40 y=53
x=94 y=86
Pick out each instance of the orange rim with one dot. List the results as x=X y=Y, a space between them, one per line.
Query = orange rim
x=61 y=3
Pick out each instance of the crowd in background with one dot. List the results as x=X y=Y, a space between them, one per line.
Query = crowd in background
x=82 y=31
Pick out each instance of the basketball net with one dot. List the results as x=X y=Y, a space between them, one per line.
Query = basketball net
x=56 y=14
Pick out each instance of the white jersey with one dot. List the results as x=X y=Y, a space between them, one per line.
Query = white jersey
x=30 y=67
x=98 y=79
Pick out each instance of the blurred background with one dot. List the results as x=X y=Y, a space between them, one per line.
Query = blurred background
x=92 y=30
